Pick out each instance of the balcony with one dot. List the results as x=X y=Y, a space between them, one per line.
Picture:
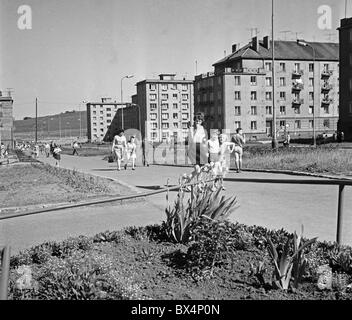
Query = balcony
x=326 y=101
x=326 y=74
x=326 y=87
x=297 y=74
x=297 y=101
x=297 y=86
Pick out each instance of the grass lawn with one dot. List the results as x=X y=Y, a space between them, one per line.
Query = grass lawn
x=330 y=160
x=88 y=150
x=37 y=184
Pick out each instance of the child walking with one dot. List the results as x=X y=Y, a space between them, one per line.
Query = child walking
x=131 y=152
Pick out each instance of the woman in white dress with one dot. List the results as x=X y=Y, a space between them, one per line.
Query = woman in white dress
x=131 y=152
x=197 y=142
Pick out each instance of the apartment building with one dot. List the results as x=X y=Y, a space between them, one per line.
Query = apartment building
x=345 y=115
x=6 y=119
x=99 y=118
x=166 y=107
x=238 y=93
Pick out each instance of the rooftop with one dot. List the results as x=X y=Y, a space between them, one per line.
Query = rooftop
x=285 y=50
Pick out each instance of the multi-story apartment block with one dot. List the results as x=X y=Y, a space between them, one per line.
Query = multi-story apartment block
x=345 y=115
x=166 y=107
x=99 y=118
x=239 y=91
x=6 y=119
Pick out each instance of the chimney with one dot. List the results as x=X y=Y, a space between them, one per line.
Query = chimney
x=234 y=48
x=266 y=42
x=255 y=43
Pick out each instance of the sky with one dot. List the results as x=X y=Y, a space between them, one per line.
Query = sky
x=78 y=50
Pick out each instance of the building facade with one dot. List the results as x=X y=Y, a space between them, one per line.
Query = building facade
x=239 y=91
x=166 y=107
x=6 y=119
x=99 y=118
x=345 y=116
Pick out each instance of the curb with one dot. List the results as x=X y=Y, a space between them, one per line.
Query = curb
x=288 y=172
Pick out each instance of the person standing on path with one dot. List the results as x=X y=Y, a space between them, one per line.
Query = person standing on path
x=197 y=141
x=47 y=149
x=239 y=140
x=118 y=147
x=75 y=147
x=56 y=154
x=214 y=147
x=131 y=152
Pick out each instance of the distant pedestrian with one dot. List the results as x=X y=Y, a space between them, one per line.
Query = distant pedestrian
x=56 y=154
x=36 y=151
x=75 y=147
x=239 y=140
x=131 y=153
x=287 y=140
x=47 y=149
x=119 y=145
x=2 y=150
x=52 y=146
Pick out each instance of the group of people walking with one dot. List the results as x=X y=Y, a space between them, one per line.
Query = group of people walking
x=123 y=150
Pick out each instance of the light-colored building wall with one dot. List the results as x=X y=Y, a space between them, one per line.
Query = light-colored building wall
x=6 y=119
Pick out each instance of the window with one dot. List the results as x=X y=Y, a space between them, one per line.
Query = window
x=101 y=123
x=175 y=124
x=184 y=125
x=152 y=106
x=237 y=95
x=268 y=110
x=326 y=67
x=282 y=67
x=253 y=125
x=184 y=106
x=164 y=106
x=311 y=109
x=94 y=112
x=311 y=82
x=282 y=82
x=152 y=86
x=108 y=109
x=184 y=116
x=153 y=96
x=253 y=80
x=297 y=110
x=101 y=112
x=268 y=66
x=268 y=81
x=165 y=116
x=326 y=123
x=311 y=67
x=297 y=67
x=108 y=115
x=175 y=115
x=268 y=96
x=185 y=97
x=164 y=96
x=253 y=110
x=310 y=124
x=153 y=116
x=237 y=124
x=154 y=125
x=184 y=87
x=298 y=124
x=101 y=118
x=94 y=118
x=283 y=96
x=175 y=106
x=174 y=95
x=237 y=80
x=311 y=96
x=153 y=135
x=282 y=123
x=237 y=110
x=94 y=123
x=282 y=110
x=164 y=87
x=174 y=86
x=326 y=109
x=253 y=95
x=165 y=126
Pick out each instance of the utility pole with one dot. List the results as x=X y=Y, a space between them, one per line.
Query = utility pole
x=36 y=120
x=274 y=140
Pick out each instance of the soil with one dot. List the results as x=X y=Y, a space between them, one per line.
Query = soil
x=158 y=270
x=26 y=185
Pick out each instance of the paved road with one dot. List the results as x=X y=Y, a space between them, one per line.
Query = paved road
x=271 y=205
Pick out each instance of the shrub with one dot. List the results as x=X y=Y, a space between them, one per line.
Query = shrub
x=149 y=233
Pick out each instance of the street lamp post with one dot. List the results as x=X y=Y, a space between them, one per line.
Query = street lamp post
x=125 y=77
x=306 y=44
